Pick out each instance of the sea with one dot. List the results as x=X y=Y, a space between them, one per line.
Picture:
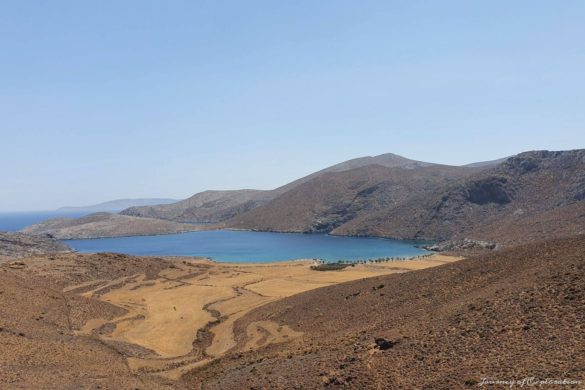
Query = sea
x=232 y=245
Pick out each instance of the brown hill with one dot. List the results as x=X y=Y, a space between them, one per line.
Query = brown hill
x=101 y=225
x=332 y=199
x=39 y=324
x=531 y=196
x=218 y=206
x=388 y=160
x=512 y=314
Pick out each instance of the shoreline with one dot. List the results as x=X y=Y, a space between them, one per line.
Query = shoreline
x=394 y=238
x=275 y=262
x=205 y=228
x=371 y=262
x=416 y=247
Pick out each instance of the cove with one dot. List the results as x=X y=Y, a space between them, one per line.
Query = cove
x=252 y=247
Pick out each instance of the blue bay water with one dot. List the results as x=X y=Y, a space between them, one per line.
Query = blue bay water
x=227 y=245
x=245 y=246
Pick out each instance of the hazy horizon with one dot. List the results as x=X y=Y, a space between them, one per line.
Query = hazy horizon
x=140 y=99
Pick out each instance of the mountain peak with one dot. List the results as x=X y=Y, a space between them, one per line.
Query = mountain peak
x=388 y=160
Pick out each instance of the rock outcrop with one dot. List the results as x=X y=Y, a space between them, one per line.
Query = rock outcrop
x=22 y=245
x=466 y=245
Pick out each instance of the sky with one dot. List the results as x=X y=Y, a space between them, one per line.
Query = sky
x=111 y=99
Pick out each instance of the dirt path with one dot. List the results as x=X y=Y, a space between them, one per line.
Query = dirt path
x=184 y=317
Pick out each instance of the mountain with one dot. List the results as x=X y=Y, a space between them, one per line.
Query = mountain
x=117 y=205
x=388 y=160
x=100 y=225
x=447 y=327
x=529 y=196
x=334 y=198
x=219 y=206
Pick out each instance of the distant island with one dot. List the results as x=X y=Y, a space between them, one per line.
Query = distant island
x=117 y=205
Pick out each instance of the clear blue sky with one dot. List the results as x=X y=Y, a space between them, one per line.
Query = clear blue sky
x=110 y=99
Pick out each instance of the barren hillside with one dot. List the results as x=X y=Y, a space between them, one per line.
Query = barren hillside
x=512 y=314
x=327 y=202
x=531 y=196
x=218 y=206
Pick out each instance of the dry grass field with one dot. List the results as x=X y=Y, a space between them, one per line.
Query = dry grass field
x=166 y=316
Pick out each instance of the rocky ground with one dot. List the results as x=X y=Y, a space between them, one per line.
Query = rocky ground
x=20 y=245
x=527 y=198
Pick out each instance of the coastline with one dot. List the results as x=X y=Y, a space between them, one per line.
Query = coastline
x=421 y=241
x=247 y=246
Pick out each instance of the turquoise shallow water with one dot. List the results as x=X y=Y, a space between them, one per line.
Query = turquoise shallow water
x=244 y=246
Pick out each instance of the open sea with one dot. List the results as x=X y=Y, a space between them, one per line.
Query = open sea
x=232 y=246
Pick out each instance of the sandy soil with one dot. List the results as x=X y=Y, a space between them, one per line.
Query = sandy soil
x=185 y=315
x=155 y=319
